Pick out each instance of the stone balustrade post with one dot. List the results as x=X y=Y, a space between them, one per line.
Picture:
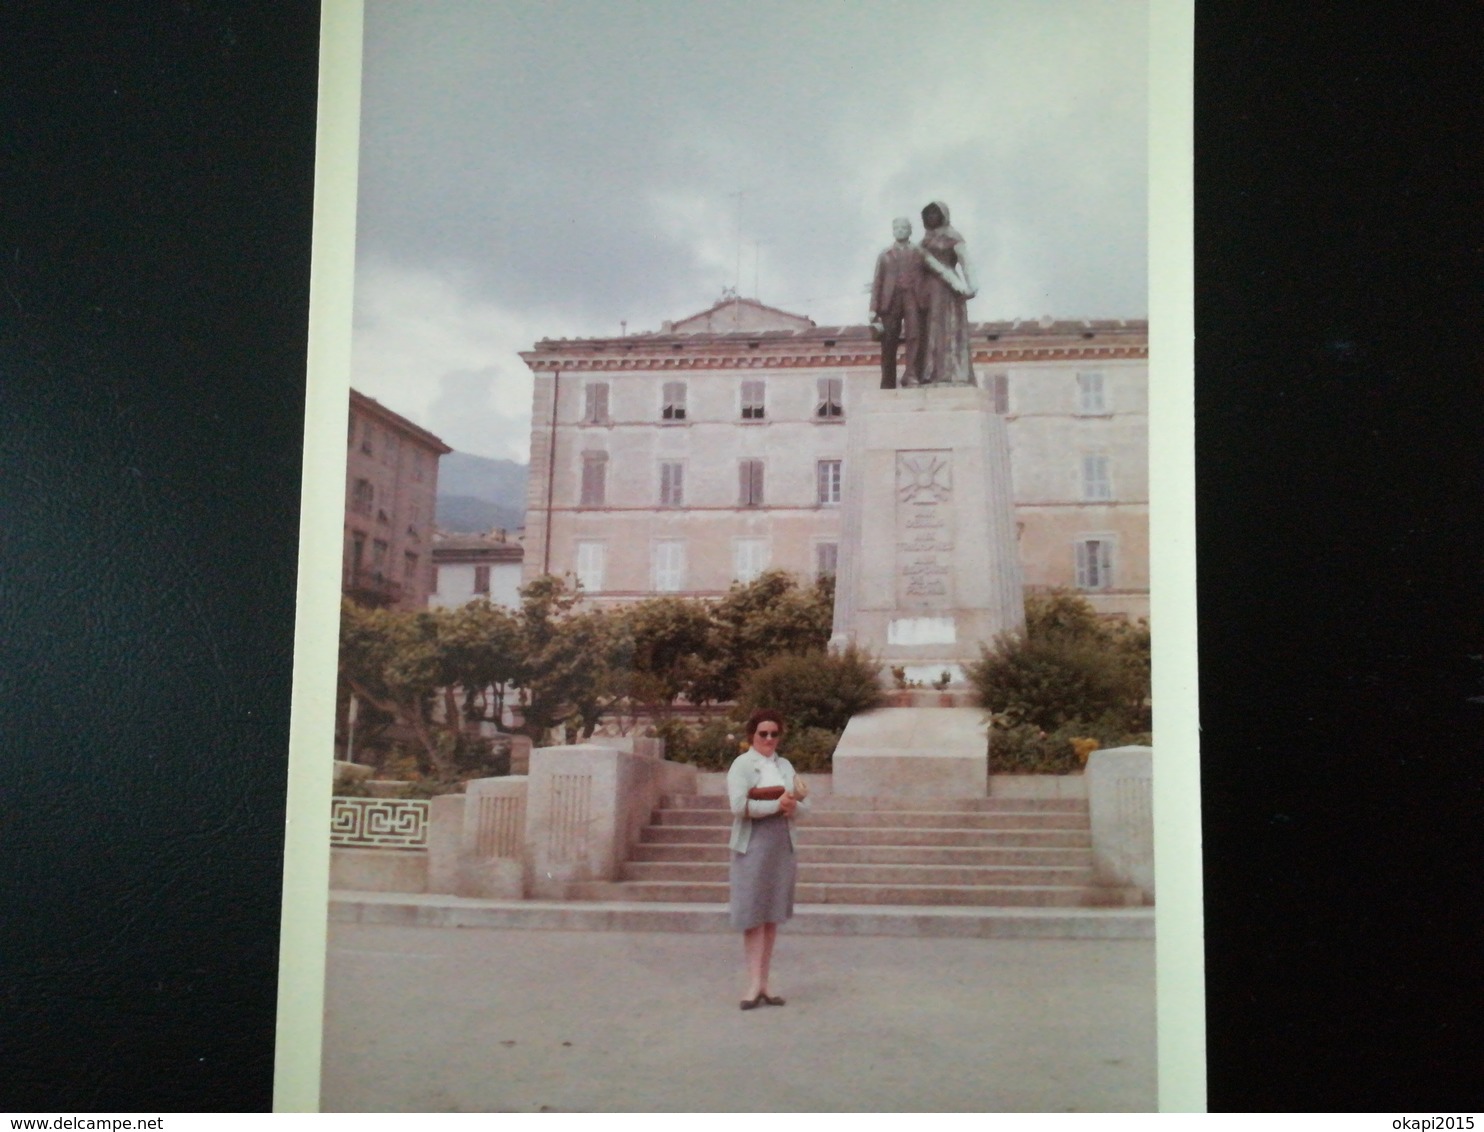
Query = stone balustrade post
x=445 y=831
x=1120 y=799
x=586 y=805
x=493 y=838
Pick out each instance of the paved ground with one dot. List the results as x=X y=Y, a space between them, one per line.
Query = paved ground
x=497 y=1020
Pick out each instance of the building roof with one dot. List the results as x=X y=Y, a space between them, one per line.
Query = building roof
x=733 y=314
x=1043 y=339
x=374 y=408
x=475 y=548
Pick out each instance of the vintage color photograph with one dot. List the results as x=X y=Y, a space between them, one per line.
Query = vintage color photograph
x=743 y=698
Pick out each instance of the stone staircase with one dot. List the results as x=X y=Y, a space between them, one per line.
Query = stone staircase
x=943 y=852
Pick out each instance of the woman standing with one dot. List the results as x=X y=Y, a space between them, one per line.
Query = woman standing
x=949 y=285
x=765 y=794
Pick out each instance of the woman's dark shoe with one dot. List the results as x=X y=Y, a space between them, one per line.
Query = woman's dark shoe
x=772 y=999
x=754 y=1003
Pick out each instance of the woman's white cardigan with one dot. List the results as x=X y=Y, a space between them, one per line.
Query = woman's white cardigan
x=741 y=778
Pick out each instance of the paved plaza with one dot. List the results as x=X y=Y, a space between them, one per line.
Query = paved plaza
x=441 y=1019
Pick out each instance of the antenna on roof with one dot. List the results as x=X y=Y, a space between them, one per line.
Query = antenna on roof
x=737 y=282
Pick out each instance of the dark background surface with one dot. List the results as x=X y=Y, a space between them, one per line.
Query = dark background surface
x=155 y=214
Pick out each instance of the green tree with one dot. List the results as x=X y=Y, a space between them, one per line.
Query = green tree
x=762 y=619
x=815 y=689
x=574 y=665
x=392 y=661
x=1069 y=667
x=675 y=652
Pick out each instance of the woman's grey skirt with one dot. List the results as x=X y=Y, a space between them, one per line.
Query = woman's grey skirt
x=762 y=879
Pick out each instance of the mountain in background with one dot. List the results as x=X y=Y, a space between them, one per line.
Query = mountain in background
x=478 y=494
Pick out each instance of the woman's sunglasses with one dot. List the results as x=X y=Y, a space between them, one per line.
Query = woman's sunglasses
x=768 y=734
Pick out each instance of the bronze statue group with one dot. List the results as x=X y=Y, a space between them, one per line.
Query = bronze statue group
x=919 y=300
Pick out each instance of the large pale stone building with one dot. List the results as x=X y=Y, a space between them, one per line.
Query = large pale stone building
x=391 y=489
x=684 y=460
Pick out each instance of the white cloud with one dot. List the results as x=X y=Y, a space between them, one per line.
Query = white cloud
x=552 y=170
x=429 y=348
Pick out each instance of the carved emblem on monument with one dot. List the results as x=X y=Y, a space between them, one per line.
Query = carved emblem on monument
x=923 y=477
x=924 y=529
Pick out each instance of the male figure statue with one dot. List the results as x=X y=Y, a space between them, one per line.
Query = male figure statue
x=896 y=302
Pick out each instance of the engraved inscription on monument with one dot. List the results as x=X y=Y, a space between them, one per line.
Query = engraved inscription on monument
x=924 y=529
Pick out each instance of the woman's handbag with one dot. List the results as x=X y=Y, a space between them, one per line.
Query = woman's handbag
x=766 y=793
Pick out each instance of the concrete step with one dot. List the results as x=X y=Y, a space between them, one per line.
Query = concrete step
x=896 y=819
x=716 y=852
x=813 y=919
x=889 y=874
x=825 y=802
x=682 y=892
x=806 y=834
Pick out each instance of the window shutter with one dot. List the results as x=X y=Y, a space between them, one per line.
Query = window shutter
x=826 y=558
x=750 y=483
x=597 y=403
x=674 y=397
x=752 y=401
x=594 y=479
x=830 y=404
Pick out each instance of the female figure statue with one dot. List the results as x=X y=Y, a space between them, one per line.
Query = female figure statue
x=949 y=285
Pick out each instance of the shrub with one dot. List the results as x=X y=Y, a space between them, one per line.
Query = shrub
x=811 y=750
x=1067 y=665
x=816 y=689
x=709 y=746
x=1024 y=748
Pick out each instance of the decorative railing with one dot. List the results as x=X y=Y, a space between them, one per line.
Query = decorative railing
x=371 y=586
x=379 y=823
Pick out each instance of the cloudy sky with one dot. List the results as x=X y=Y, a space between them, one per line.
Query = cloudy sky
x=555 y=169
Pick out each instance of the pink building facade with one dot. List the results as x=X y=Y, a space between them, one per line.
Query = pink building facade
x=391 y=489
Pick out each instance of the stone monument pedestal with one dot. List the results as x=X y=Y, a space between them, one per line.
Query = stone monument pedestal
x=929 y=569
x=914 y=752
x=929 y=572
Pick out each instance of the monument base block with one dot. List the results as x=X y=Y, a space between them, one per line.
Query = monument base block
x=914 y=752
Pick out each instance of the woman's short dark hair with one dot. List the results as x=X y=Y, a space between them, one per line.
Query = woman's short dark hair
x=763 y=715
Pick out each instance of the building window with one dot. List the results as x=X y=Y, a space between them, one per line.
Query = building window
x=482 y=580
x=674 y=401
x=669 y=565
x=750 y=483
x=1095 y=564
x=999 y=392
x=590 y=562
x=409 y=566
x=749 y=558
x=379 y=547
x=831 y=404
x=594 y=479
x=357 y=551
x=368 y=439
x=753 y=407
x=363 y=497
x=672 y=483
x=828 y=482
x=595 y=407
x=419 y=459
x=1092 y=394
x=390 y=449
x=826 y=559
x=1096 y=486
